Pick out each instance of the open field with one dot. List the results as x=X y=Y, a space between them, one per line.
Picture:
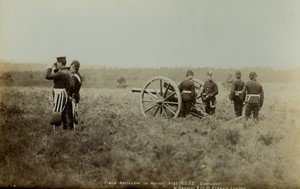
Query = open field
x=114 y=143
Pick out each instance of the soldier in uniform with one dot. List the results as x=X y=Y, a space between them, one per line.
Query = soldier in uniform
x=188 y=94
x=74 y=95
x=235 y=94
x=253 y=95
x=59 y=73
x=208 y=94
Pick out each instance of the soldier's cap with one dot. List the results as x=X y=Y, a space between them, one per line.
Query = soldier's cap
x=209 y=73
x=61 y=59
x=76 y=64
x=252 y=75
x=238 y=73
x=189 y=72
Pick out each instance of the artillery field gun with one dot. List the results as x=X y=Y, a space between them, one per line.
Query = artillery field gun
x=161 y=97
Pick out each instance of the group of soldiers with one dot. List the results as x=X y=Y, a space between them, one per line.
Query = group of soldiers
x=250 y=94
x=67 y=82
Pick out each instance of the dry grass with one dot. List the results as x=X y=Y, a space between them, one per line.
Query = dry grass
x=114 y=142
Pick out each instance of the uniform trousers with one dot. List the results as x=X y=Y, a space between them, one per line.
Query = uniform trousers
x=252 y=108
x=210 y=105
x=238 y=107
x=186 y=107
x=69 y=124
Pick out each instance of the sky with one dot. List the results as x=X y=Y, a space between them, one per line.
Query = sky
x=152 y=33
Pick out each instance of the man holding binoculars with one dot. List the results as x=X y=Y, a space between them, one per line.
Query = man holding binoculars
x=58 y=72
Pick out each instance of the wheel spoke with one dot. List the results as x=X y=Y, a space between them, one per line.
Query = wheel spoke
x=149 y=92
x=161 y=86
x=156 y=111
x=156 y=91
x=161 y=110
x=166 y=90
x=150 y=108
x=149 y=101
x=168 y=102
x=165 y=111
x=170 y=109
x=170 y=95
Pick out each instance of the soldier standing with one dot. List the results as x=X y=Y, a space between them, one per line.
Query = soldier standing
x=75 y=85
x=188 y=94
x=58 y=72
x=253 y=95
x=235 y=94
x=208 y=94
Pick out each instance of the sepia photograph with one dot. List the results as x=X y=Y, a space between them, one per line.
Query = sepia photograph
x=150 y=94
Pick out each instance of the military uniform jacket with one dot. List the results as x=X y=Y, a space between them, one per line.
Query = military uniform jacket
x=75 y=84
x=253 y=93
x=210 y=88
x=236 y=89
x=61 y=78
x=187 y=90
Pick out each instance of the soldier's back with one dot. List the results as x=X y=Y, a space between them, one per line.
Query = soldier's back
x=253 y=87
x=186 y=84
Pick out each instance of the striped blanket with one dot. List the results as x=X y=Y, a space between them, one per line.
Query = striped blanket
x=60 y=98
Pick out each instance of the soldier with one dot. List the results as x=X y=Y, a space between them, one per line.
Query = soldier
x=208 y=94
x=235 y=94
x=58 y=72
x=253 y=95
x=75 y=85
x=188 y=94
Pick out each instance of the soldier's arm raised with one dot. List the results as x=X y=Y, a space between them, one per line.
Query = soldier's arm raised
x=50 y=75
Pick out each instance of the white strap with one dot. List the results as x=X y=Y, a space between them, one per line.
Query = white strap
x=186 y=91
x=77 y=76
x=58 y=90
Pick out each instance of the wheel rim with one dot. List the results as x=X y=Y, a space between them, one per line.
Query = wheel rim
x=160 y=97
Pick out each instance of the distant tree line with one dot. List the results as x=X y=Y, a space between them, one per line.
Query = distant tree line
x=136 y=77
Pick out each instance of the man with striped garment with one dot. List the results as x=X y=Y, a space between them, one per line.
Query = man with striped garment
x=60 y=75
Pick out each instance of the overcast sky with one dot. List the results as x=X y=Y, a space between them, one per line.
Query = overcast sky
x=152 y=33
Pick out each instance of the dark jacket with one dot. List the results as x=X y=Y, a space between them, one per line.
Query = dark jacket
x=253 y=93
x=187 y=90
x=236 y=90
x=75 y=85
x=61 y=78
x=210 y=89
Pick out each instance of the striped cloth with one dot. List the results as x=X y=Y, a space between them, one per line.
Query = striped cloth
x=60 y=98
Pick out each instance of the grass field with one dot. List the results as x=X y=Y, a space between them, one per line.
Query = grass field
x=115 y=146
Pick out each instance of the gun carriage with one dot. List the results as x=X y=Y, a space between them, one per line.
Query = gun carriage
x=160 y=96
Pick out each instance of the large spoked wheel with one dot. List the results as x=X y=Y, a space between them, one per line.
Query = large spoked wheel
x=160 y=97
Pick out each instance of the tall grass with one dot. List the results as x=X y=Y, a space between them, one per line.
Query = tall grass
x=114 y=142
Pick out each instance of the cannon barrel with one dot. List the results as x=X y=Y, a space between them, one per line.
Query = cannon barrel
x=136 y=90
x=139 y=90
